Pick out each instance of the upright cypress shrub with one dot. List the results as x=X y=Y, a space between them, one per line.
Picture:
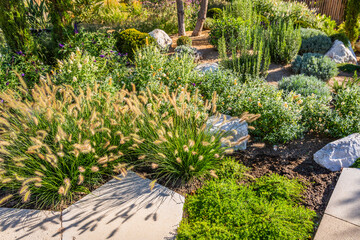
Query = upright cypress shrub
x=352 y=24
x=14 y=25
x=60 y=18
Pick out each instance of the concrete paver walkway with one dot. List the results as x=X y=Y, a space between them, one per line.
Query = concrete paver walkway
x=125 y=209
x=342 y=215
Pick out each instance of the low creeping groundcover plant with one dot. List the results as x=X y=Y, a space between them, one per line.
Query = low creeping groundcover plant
x=228 y=208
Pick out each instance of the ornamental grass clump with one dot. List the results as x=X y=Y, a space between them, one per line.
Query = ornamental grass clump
x=176 y=142
x=56 y=145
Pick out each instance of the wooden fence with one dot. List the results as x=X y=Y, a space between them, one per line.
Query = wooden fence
x=333 y=8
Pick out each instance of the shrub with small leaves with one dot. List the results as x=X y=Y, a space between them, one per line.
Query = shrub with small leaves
x=313 y=64
x=306 y=86
x=214 y=13
x=129 y=40
x=184 y=40
x=314 y=41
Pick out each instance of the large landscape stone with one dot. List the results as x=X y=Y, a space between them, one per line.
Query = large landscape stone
x=204 y=67
x=232 y=126
x=163 y=40
x=126 y=209
x=339 y=53
x=340 y=153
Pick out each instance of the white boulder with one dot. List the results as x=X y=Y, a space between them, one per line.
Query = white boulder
x=232 y=126
x=204 y=67
x=163 y=40
x=340 y=153
x=341 y=54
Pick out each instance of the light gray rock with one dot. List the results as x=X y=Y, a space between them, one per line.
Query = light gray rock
x=204 y=67
x=163 y=40
x=341 y=54
x=351 y=50
x=340 y=153
x=232 y=126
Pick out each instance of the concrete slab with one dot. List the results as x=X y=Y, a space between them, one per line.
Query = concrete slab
x=25 y=224
x=332 y=228
x=344 y=203
x=125 y=209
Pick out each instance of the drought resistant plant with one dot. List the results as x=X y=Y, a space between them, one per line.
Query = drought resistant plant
x=314 y=41
x=352 y=24
x=306 y=86
x=14 y=25
x=156 y=70
x=24 y=64
x=52 y=150
x=254 y=57
x=266 y=209
x=60 y=16
x=177 y=143
x=214 y=13
x=129 y=40
x=184 y=40
x=313 y=64
x=285 y=41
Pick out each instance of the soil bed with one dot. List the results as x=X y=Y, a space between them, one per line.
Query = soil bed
x=294 y=160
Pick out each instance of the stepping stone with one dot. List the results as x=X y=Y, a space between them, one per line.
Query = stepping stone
x=125 y=209
x=344 y=203
x=28 y=224
x=332 y=228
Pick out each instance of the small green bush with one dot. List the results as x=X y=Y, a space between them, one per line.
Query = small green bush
x=314 y=41
x=285 y=42
x=313 y=64
x=306 y=86
x=129 y=40
x=214 y=13
x=229 y=28
x=184 y=40
x=341 y=37
x=267 y=209
x=208 y=24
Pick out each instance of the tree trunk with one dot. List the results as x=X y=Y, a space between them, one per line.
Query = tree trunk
x=180 y=14
x=201 y=18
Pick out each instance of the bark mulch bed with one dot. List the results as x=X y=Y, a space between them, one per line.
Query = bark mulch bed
x=294 y=160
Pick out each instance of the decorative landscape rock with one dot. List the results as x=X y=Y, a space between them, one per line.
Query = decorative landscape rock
x=204 y=67
x=163 y=40
x=341 y=54
x=340 y=153
x=236 y=127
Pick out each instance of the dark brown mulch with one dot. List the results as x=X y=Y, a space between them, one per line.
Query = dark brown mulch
x=294 y=160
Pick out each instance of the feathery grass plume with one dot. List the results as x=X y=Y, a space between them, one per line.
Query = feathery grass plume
x=5 y=199
x=48 y=126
